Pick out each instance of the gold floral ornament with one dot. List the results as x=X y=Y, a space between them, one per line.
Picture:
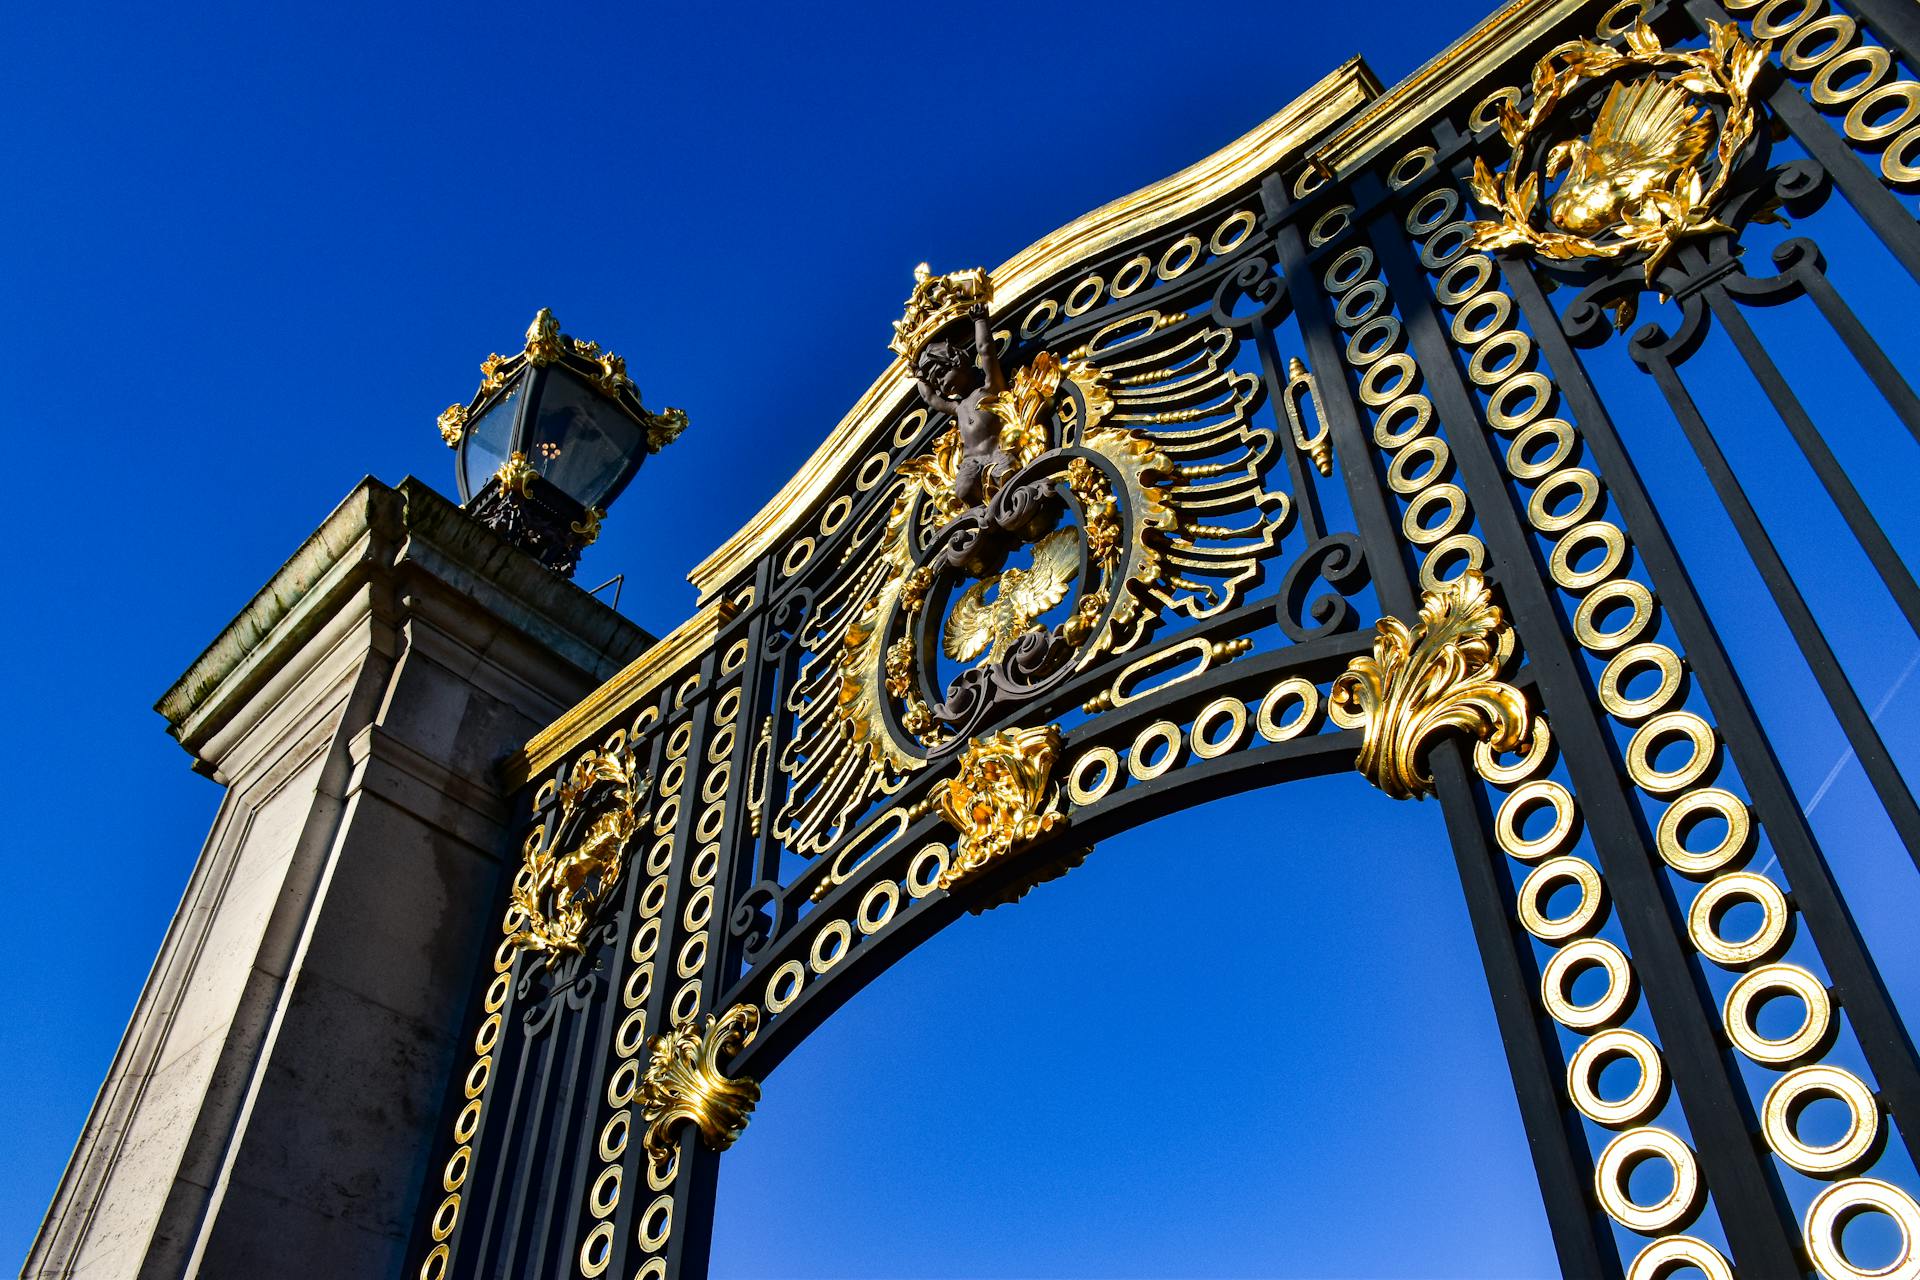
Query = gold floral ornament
x=1634 y=184
x=1000 y=800
x=557 y=894
x=684 y=1082
x=1442 y=673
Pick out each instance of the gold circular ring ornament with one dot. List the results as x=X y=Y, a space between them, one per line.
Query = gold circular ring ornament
x=924 y=872
x=1133 y=273
x=1470 y=326
x=1413 y=523
x=654 y=1268
x=1619 y=669
x=1522 y=799
x=1376 y=338
x=1900 y=162
x=1791 y=1093
x=1360 y=303
x=1304 y=693
x=1411 y=167
x=445 y=1216
x=614 y=1135
x=877 y=906
x=646 y=938
x=596 y=1251
x=1043 y=314
x=1616 y=1164
x=796 y=556
x=1538 y=888
x=837 y=932
x=466 y=1124
x=1706 y=801
x=1596 y=1053
x=1620 y=19
x=623 y=1083
x=1432 y=210
x=706 y=864
x=638 y=986
x=435 y=1266
x=656 y=1224
x=1388 y=379
x=1103 y=758
x=1762 y=943
x=1664 y=782
x=1613 y=552
x=1471 y=553
x=1429 y=449
x=1454 y=286
x=1446 y=244
x=459 y=1164
x=1798 y=53
x=1229 y=711
x=1781 y=17
x=1839 y=1204
x=1634 y=595
x=1162 y=731
x=830 y=521
x=693 y=954
x=1555 y=430
x=871 y=471
x=1486 y=112
x=1669 y=1255
x=1232 y=232
x=1330 y=226
x=1349 y=269
x=1762 y=985
x=631 y=1034
x=1586 y=493
x=1557 y=979
x=784 y=987
x=686 y=1001
x=1084 y=295
x=1870 y=60
x=488 y=1035
x=1905 y=92
x=1501 y=413
x=604 y=1197
x=1539 y=743
x=1179 y=258
x=1514 y=344
x=1414 y=405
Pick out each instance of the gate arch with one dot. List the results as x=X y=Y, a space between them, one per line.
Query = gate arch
x=1288 y=465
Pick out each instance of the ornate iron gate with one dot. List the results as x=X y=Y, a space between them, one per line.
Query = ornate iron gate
x=1301 y=459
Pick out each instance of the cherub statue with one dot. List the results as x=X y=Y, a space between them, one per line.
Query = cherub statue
x=958 y=381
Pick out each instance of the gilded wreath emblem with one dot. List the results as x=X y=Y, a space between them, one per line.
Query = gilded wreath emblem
x=1635 y=183
x=560 y=889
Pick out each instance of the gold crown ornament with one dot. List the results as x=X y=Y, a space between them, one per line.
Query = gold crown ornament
x=937 y=302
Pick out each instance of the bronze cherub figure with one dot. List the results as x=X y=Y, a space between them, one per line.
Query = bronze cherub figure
x=956 y=376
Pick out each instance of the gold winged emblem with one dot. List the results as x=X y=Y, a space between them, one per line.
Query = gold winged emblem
x=1649 y=134
x=1024 y=595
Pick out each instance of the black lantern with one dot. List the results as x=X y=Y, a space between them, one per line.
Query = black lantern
x=549 y=441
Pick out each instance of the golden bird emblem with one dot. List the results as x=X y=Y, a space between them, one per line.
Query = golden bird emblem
x=1024 y=595
x=1648 y=137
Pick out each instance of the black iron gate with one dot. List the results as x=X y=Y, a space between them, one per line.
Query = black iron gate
x=1312 y=455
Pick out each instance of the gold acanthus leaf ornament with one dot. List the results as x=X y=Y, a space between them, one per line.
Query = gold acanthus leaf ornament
x=1634 y=184
x=1441 y=673
x=1001 y=799
x=557 y=894
x=684 y=1082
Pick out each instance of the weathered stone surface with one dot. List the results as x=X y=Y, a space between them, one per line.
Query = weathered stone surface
x=271 y=1107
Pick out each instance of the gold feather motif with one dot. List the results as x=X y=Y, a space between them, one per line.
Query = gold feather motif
x=1647 y=139
x=1025 y=594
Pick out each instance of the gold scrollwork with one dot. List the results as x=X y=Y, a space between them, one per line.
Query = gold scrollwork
x=557 y=894
x=1442 y=673
x=1000 y=800
x=684 y=1082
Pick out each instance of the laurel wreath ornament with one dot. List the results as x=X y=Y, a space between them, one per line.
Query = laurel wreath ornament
x=1681 y=203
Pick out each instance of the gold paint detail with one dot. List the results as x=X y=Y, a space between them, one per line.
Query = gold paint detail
x=684 y=1082
x=1634 y=184
x=1791 y=1094
x=1839 y=1204
x=558 y=894
x=1610 y=1174
x=1301 y=390
x=453 y=424
x=1439 y=674
x=1671 y=1254
x=515 y=474
x=1001 y=799
x=976 y=627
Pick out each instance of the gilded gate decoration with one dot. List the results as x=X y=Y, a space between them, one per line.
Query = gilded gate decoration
x=1306 y=461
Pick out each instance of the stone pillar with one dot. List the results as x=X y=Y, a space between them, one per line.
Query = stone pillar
x=271 y=1108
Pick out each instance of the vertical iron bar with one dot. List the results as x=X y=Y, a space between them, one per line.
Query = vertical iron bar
x=1832 y=476
x=1873 y=359
x=1850 y=968
x=1582 y=1243
x=1814 y=648
x=1753 y=1207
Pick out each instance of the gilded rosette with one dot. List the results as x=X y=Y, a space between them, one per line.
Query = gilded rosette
x=684 y=1082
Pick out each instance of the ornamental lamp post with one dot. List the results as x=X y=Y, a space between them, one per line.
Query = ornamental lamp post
x=549 y=441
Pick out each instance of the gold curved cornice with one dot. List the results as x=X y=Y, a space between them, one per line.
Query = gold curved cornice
x=1275 y=142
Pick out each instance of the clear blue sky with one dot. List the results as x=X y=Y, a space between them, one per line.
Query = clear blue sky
x=249 y=253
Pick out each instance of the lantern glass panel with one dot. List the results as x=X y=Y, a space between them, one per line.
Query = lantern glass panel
x=581 y=441
x=490 y=439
